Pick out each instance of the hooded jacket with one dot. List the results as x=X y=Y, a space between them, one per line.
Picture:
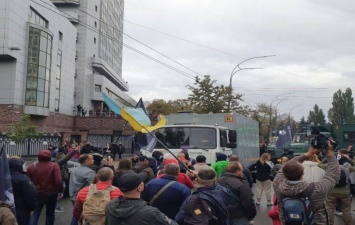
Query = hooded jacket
x=312 y=172
x=45 y=174
x=128 y=211
x=6 y=216
x=282 y=186
x=24 y=192
x=245 y=207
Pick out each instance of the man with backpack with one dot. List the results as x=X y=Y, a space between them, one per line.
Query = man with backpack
x=243 y=209
x=208 y=205
x=300 y=202
x=91 y=201
x=341 y=191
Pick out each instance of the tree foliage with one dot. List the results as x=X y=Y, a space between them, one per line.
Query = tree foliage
x=343 y=107
x=169 y=107
x=23 y=130
x=316 y=116
x=207 y=96
x=263 y=114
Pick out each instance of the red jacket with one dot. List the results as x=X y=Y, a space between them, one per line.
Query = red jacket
x=182 y=178
x=274 y=213
x=81 y=197
x=45 y=175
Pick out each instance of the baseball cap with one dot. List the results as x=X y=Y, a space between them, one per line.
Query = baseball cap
x=129 y=182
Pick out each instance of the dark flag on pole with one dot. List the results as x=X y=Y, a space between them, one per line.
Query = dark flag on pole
x=6 y=194
x=140 y=104
x=285 y=137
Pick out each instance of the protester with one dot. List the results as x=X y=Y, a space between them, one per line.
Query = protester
x=288 y=181
x=24 y=192
x=81 y=176
x=63 y=148
x=243 y=210
x=120 y=150
x=143 y=166
x=165 y=193
x=263 y=182
x=182 y=177
x=246 y=171
x=86 y=149
x=341 y=192
x=210 y=197
x=125 y=167
x=74 y=148
x=6 y=215
x=91 y=200
x=200 y=165
x=220 y=164
x=312 y=171
x=131 y=209
x=47 y=179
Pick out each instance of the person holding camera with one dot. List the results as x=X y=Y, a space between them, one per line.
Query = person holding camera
x=289 y=182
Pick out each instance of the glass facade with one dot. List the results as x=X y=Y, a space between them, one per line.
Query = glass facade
x=57 y=81
x=38 y=68
x=111 y=37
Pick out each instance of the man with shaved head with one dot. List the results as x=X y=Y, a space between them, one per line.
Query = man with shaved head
x=83 y=207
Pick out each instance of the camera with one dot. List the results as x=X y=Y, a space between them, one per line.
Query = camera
x=320 y=141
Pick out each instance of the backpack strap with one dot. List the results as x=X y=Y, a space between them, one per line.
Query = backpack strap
x=161 y=191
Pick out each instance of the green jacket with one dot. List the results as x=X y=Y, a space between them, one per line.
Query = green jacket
x=219 y=167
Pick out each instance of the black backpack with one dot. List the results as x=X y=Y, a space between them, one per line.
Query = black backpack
x=206 y=211
x=344 y=177
x=297 y=209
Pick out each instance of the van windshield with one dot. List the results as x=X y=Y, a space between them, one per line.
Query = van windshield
x=187 y=137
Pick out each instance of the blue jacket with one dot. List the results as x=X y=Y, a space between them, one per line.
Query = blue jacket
x=170 y=201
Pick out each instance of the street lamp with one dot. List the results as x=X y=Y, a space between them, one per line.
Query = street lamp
x=271 y=111
x=289 y=114
x=236 y=70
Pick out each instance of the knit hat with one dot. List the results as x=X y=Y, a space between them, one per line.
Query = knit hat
x=221 y=156
x=166 y=162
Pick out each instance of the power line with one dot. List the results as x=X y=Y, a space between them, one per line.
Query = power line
x=123 y=34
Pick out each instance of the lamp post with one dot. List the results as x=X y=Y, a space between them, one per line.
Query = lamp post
x=236 y=70
x=271 y=111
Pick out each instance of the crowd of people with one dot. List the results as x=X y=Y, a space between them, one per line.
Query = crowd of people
x=175 y=189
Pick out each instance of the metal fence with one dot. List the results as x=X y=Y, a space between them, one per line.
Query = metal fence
x=30 y=147
x=100 y=141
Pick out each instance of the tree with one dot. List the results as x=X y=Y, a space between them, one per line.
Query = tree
x=208 y=97
x=180 y=105
x=262 y=114
x=343 y=107
x=317 y=116
x=302 y=125
x=160 y=106
x=23 y=129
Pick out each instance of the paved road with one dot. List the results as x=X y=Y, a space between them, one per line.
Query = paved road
x=262 y=217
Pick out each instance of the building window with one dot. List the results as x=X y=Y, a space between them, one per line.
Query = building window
x=97 y=88
x=95 y=24
x=57 y=81
x=38 y=68
x=60 y=36
x=38 y=19
x=95 y=8
x=94 y=40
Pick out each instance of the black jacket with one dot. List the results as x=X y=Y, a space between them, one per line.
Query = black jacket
x=128 y=211
x=263 y=171
x=245 y=206
x=24 y=191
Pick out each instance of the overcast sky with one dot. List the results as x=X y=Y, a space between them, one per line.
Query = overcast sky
x=312 y=41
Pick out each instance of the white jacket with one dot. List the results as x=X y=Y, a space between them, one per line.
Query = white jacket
x=312 y=173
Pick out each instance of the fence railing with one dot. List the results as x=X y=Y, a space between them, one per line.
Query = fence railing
x=30 y=147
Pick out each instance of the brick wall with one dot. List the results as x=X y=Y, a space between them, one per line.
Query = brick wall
x=101 y=125
x=59 y=123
